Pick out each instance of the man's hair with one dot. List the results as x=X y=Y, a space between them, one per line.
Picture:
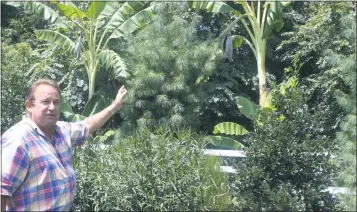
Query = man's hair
x=30 y=94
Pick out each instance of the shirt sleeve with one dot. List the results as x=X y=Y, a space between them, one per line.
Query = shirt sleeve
x=14 y=163
x=78 y=133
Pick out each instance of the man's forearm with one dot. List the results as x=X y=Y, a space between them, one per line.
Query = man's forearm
x=4 y=200
x=97 y=120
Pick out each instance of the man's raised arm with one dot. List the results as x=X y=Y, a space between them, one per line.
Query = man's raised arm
x=97 y=120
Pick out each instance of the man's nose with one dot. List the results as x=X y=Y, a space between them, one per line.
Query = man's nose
x=51 y=106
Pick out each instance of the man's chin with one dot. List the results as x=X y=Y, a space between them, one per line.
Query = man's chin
x=51 y=122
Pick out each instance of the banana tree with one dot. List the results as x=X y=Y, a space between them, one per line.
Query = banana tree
x=112 y=19
x=250 y=110
x=234 y=130
x=259 y=20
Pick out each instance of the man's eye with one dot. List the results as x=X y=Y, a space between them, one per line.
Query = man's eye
x=46 y=102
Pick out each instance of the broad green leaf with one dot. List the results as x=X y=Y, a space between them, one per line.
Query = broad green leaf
x=229 y=128
x=247 y=107
x=56 y=38
x=48 y=13
x=65 y=106
x=109 y=58
x=274 y=20
x=70 y=11
x=212 y=6
x=109 y=9
x=119 y=16
x=231 y=26
x=102 y=138
x=94 y=9
x=226 y=142
x=236 y=41
x=95 y=104
x=135 y=22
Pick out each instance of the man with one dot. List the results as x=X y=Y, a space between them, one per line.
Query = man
x=37 y=172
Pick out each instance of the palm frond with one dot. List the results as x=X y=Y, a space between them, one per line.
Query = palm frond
x=110 y=59
x=135 y=22
x=56 y=38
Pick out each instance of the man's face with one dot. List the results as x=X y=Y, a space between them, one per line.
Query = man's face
x=45 y=108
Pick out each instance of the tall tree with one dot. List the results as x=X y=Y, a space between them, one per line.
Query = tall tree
x=324 y=42
x=262 y=21
x=169 y=66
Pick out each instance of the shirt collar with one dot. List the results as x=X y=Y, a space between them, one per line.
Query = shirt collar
x=34 y=126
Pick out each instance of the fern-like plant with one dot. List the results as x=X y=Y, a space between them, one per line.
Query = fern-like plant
x=169 y=66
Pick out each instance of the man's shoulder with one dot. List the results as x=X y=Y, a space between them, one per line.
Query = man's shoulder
x=20 y=128
x=17 y=132
x=68 y=126
x=63 y=125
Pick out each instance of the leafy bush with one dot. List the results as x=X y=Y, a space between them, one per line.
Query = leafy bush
x=288 y=162
x=159 y=170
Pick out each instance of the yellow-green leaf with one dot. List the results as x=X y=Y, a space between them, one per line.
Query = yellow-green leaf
x=229 y=128
x=94 y=9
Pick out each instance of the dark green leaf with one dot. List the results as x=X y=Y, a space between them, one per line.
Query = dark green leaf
x=247 y=107
x=95 y=104
x=65 y=106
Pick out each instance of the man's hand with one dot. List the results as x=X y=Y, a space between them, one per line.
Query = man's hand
x=119 y=98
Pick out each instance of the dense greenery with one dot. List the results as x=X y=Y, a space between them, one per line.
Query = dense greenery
x=169 y=64
x=182 y=74
x=151 y=170
x=288 y=159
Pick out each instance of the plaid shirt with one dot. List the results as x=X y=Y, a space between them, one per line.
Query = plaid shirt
x=36 y=174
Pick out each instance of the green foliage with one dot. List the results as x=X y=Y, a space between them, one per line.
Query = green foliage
x=170 y=66
x=151 y=170
x=247 y=107
x=259 y=25
x=24 y=62
x=325 y=43
x=13 y=66
x=288 y=162
x=56 y=38
x=225 y=142
x=229 y=128
x=345 y=67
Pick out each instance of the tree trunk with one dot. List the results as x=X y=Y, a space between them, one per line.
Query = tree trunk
x=261 y=73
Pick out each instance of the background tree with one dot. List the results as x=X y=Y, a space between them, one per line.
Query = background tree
x=115 y=19
x=344 y=67
x=287 y=164
x=260 y=28
x=169 y=65
x=324 y=42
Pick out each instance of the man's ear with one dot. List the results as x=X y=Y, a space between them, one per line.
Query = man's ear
x=28 y=105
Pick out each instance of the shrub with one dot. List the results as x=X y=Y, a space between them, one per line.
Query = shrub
x=288 y=162
x=159 y=170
